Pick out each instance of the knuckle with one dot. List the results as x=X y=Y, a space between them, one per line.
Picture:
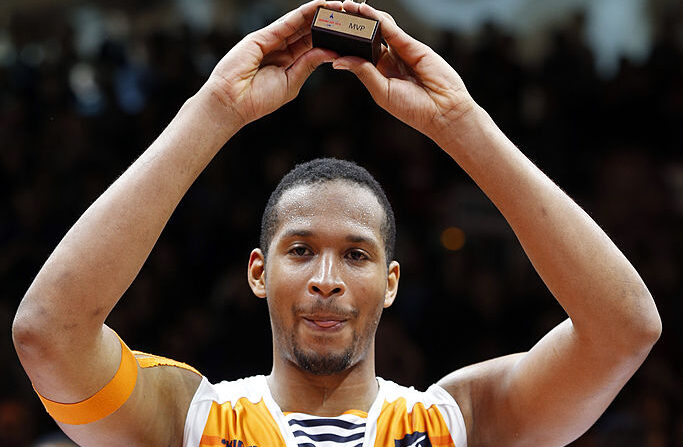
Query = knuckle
x=286 y=16
x=388 y=16
x=255 y=36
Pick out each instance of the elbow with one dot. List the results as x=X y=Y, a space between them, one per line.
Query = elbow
x=646 y=326
x=41 y=330
x=643 y=338
x=24 y=332
x=29 y=331
x=631 y=330
x=653 y=328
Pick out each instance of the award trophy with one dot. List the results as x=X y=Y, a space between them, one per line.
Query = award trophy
x=347 y=34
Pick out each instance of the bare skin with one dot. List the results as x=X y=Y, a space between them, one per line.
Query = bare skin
x=59 y=332
x=327 y=261
x=553 y=393
x=547 y=396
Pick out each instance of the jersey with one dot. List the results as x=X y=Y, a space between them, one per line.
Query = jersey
x=243 y=413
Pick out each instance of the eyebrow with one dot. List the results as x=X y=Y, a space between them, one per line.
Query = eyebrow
x=358 y=239
x=297 y=233
x=355 y=238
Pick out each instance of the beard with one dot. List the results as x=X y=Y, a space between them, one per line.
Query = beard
x=324 y=364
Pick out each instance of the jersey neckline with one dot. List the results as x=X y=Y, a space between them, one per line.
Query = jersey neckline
x=285 y=429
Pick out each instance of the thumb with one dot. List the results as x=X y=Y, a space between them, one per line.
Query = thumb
x=367 y=73
x=306 y=64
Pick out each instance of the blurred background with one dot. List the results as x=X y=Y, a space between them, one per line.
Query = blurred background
x=591 y=91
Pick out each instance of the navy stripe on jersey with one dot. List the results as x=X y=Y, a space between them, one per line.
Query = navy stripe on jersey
x=347 y=430
x=326 y=421
x=308 y=444
x=329 y=436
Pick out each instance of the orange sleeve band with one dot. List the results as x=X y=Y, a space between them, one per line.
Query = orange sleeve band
x=104 y=402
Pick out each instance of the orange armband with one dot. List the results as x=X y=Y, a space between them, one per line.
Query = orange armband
x=104 y=402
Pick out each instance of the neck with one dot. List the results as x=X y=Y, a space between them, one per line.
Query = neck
x=296 y=390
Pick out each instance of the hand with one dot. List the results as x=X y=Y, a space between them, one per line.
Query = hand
x=267 y=68
x=410 y=81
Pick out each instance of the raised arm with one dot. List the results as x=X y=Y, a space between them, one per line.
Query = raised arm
x=59 y=332
x=553 y=393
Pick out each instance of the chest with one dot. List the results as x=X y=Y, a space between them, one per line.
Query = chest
x=248 y=424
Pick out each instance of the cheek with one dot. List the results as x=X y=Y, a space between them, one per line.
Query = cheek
x=374 y=279
x=370 y=290
x=283 y=279
x=284 y=286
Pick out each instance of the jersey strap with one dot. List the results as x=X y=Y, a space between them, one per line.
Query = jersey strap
x=150 y=361
x=104 y=402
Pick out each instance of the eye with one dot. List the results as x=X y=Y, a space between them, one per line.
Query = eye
x=356 y=255
x=299 y=250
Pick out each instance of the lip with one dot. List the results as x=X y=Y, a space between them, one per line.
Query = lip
x=324 y=323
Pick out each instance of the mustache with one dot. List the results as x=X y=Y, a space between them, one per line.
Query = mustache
x=325 y=307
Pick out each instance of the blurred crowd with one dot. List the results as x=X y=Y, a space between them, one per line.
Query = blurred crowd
x=69 y=125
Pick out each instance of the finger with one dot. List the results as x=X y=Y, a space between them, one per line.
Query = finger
x=334 y=5
x=300 y=19
x=292 y=52
x=296 y=36
x=406 y=47
x=302 y=68
x=392 y=67
x=272 y=37
x=374 y=81
x=337 y=5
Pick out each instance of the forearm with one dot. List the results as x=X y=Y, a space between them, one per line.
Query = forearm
x=598 y=287
x=100 y=256
x=594 y=282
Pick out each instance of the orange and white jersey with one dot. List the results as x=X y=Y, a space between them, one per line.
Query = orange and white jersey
x=243 y=414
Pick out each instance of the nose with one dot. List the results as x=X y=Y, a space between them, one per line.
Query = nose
x=326 y=280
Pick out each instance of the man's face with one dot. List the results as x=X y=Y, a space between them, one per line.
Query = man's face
x=326 y=277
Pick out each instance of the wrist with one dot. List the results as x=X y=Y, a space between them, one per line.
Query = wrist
x=212 y=104
x=461 y=128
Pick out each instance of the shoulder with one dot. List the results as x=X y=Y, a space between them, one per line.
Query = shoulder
x=475 y=387
x=434 y=413
x=434 y=395
x=177 y=382
x=252 y=389
x=239 y=409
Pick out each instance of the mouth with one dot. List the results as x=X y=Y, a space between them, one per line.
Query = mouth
x=324 y=323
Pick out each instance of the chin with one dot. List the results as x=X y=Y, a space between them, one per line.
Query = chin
x=323 y=364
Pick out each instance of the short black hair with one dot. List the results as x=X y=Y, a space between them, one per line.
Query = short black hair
x=322 y=170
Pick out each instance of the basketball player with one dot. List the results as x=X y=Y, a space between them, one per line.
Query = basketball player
x=326 y=270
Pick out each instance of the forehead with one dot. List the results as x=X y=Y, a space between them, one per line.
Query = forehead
x=338 y=203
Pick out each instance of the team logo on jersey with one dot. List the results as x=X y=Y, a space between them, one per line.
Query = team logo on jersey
x=234 y=443
x=417 y=439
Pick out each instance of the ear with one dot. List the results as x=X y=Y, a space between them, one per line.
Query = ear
x=392 y=283
x=256 y=273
